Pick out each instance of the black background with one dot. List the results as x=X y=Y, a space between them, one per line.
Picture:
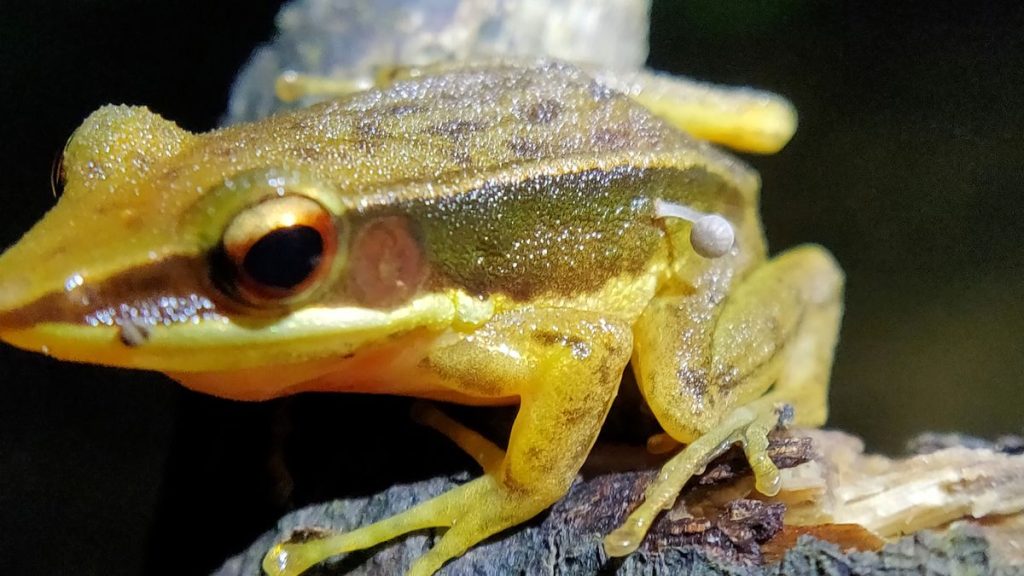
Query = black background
x=909 y=165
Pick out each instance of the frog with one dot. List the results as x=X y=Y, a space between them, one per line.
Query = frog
x=501 y=234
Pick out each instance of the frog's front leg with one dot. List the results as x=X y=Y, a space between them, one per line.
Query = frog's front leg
x=565 y=367
x=717 y=374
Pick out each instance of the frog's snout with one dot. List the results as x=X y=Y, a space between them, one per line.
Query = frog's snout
x=15 y=321
x=12 y=295
x=23 y=306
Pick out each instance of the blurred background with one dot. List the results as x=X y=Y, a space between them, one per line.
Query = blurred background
x=908 y=165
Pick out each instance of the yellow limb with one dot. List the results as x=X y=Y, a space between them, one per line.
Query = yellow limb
x=565 y=366
x=292 y=559
x=710 y=388
x=485 y=452
x=748 y=424
x=293 y=86
x=741 y=118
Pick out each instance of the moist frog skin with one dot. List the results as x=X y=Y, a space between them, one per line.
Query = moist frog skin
x=490 y=234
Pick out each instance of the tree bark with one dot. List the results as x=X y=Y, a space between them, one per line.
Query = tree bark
x=717 y=528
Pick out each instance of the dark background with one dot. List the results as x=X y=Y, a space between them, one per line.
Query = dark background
x=909 y=165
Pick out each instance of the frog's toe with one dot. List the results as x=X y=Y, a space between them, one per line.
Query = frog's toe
x=748 y=425
x=487 y=507
x=463 y=535
x=471 y=513
x=292 y=559
x=767 y=479
x=754 y=438
x=303 y=549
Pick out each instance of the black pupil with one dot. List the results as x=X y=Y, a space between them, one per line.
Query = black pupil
x=285 y=257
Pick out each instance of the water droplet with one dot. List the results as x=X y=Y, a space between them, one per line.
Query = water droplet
x=72 y=282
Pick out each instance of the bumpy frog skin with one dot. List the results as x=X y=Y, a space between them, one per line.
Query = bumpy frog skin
x=499 y=234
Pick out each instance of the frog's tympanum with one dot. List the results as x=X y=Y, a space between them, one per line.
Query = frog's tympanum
x=487 y=235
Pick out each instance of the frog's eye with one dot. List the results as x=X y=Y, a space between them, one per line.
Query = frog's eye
x=277 y=251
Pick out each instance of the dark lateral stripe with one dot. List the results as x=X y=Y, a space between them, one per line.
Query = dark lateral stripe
x=563 y=235
x=169 y=291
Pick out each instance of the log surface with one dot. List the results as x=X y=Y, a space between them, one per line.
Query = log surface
x=708 y=532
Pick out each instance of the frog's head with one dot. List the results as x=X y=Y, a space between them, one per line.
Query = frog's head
x=167 y=252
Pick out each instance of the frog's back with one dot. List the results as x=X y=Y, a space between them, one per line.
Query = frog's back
x=531 y=181
x=478 y=120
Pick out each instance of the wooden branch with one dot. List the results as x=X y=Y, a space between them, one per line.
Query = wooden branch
x=840 y=512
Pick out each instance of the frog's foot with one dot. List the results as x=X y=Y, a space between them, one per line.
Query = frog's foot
x=769 y=346
x=753 y=438
x=749 y=425
x=473 y=507
x=471 y=513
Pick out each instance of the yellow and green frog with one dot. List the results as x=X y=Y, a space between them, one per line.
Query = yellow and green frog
x=492 y=234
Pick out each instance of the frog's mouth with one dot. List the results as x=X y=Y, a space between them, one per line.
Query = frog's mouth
x=219 y=343
x=158 y=317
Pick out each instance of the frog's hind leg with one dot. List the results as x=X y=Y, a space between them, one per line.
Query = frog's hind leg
x=565 y=366
x=740 y=118
x=430 y=514
x=770 y=348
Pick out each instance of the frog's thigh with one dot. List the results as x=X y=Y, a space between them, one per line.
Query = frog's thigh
x=565 y=366
x=777 y=327
x=780 y=327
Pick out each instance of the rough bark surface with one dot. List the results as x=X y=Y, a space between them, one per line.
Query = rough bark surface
x=567 y=541
x=709 y=532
